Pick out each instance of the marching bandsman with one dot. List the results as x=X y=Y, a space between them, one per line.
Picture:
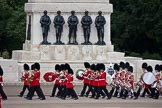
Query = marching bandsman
x=102 y=82
x=157 y=84
x=35 y=84
x=2 y=93
x=129 y=80
x=91 y=80
x=122 y=78
x=56 y=82
x=70 y=86
x=115 y=81
x=147 y=88
x=85 y=80
x=140 y=82
x=63 y=80
x=24 y=78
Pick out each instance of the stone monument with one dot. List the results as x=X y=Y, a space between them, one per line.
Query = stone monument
x=49 y=55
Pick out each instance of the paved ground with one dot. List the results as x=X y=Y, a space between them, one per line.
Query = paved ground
x=83 y=102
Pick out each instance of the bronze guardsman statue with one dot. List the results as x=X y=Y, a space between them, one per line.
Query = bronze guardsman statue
x=86 y=25
x=72 y=23
x=100 y=22
x=58 y=24
x=45 y=24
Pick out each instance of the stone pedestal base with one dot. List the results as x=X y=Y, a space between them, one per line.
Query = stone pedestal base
x=67 y=53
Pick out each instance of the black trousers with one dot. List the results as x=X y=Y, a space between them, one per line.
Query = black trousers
x=90 y=89
x=38 y=90
x=71 y=92
x=62 y=90
x=104 y=89
x=56 y=86
x=24 y=88
x=2 y=93
x=84 y=89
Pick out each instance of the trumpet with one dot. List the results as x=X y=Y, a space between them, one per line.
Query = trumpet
x=31 y=77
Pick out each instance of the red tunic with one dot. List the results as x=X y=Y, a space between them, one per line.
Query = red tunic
x=131 y=79
x=36 y=78
x=69 y=83
x=57 y=80
x=1 y=79
x=25 y=77
x=86 y=80
x=96 y=80
x=102 y=79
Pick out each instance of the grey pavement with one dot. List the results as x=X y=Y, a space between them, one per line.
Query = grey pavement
x=53 y=102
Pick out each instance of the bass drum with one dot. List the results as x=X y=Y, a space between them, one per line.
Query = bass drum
x=80 y=74
x=49 y=76
x=148 y=78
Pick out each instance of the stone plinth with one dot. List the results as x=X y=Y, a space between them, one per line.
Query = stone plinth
x=68 y=53
x=10 y=70
x=35 y=8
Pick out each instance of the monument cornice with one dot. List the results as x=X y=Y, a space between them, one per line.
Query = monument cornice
x=68 y=1
x=67 y=7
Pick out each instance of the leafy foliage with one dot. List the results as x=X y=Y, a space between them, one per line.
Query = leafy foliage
x=137 y=27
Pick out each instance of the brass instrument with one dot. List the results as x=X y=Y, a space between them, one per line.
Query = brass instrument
x=31 y=77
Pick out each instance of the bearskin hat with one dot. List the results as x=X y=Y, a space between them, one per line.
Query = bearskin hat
x=62 y=66
x=130 y=68
x=160 y=67
x=98 y=66
x=157 y=67
x=122 y=65
x=144 y=65
x=127 y=65
x=149 y=68
x=32 y=67
x=26 y=67
x=1 y=71
x=86 y=65
x=70 y=71
x=37 y=66
x=67 y=66
x=93 y=67
x=57 y=67
x=102 y=66
x=116 y=67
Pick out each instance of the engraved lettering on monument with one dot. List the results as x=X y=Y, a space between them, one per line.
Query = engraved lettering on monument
x=45 y=24
x=87 y=52
x=73 y=53
x=58 y=24
x=59 y=53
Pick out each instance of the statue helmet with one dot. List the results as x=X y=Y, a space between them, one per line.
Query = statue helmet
x=72 y=11
x=45 y=12
x=58 y=12
x=99 y=12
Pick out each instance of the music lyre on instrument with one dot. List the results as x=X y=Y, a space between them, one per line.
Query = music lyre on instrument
x=49 y=76
x=80 y=74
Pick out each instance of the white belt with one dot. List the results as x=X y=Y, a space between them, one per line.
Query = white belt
x=101 y=79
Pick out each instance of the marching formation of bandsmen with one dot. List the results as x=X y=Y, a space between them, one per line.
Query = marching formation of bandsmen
x=94 y=82
x=123 y=84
